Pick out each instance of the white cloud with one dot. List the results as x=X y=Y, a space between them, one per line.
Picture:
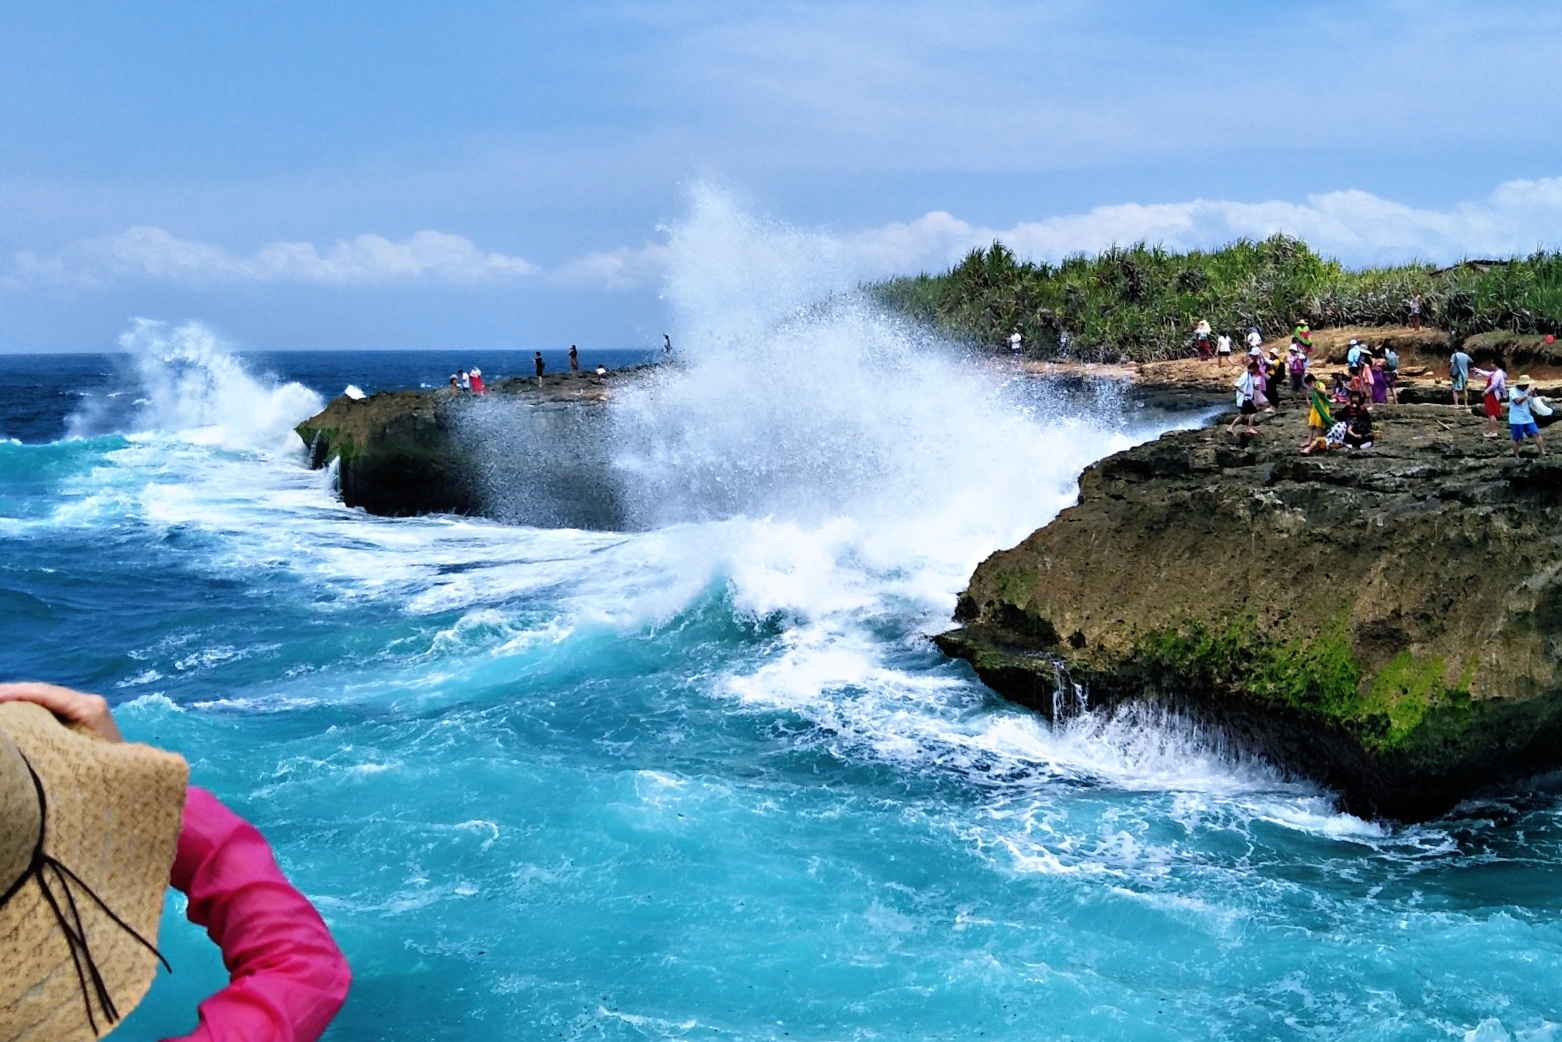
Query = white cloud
x=1357 y=227
x=621 y=269
x=365 y=260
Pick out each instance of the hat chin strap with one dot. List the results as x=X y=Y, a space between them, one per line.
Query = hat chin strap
x=68 y=915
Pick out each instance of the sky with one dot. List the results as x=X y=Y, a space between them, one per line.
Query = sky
x=486 y=175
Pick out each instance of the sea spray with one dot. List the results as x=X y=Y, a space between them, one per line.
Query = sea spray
x=707 y=781
x=184 y=379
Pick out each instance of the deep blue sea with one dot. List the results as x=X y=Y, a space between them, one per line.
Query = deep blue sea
x=706 y=779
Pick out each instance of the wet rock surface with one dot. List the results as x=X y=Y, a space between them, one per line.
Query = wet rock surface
x=1388 y=622
x=528 y=452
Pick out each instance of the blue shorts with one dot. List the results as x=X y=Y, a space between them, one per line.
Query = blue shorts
x=1521 y=429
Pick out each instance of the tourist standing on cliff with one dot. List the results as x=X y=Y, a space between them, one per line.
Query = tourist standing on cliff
x=1391 y=372
x=1459 y=376
x=574 y=359
x=1201 y=338
x=464 y=378
x=1247 y=392
x=540 y=366
x=476 y=378
x=1415 y=311
x=1492 y=394
x=1274 y=379
x=667 y=348
x=1379 y=382
x=1303 y=335
x=1521 y=422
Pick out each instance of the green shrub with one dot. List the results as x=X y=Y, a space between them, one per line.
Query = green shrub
x=1141 y=302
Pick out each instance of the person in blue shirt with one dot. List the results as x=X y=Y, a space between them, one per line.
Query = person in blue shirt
x=1520 y=420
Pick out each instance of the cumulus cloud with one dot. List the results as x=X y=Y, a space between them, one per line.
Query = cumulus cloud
x=1357 y=227
x=365 y=260
x=622 y=269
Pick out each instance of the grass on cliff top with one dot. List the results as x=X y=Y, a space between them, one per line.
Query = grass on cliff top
x=1141 y=302
x=1407 y=704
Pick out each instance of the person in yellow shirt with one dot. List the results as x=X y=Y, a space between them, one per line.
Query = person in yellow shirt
x=1319 y=418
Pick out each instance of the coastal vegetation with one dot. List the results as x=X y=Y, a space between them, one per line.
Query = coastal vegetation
x=1140 y=303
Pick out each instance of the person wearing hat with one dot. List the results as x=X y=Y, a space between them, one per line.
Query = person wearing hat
x=1296 y=367
x=93 y=830
x=476 y=378
x=1521 y=422
x=1302 y=333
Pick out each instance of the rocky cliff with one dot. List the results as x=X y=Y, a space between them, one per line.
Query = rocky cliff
x=528 y=452
x=1388 y=622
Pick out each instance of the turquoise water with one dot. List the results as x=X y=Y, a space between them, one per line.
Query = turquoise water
x=707 y=779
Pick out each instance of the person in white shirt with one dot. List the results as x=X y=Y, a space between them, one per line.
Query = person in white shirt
x=1014 y=341
x=1222 y=349
x=1255 y=340
x=1521 y=422
x=1247 y=408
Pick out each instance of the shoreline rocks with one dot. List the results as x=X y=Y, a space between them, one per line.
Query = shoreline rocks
x=406 y=453
x=1386 y=622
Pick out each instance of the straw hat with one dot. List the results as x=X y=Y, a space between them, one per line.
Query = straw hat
x=1524 y=380
x=82 y=821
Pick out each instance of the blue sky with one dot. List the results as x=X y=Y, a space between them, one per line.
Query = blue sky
x=501 y=175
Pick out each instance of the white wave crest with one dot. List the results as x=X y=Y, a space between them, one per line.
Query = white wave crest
x=191 y=383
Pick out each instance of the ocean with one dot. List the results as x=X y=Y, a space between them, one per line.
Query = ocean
x=705 y=778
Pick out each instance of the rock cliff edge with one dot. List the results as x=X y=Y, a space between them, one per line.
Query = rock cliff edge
x=1387 y=622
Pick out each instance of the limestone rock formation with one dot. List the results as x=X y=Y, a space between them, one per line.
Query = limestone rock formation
x=528 y=452
x=1388 y=622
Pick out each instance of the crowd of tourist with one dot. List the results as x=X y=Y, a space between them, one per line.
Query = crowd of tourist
x=1340 y=416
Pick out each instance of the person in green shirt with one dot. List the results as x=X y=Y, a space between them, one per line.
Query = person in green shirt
x=1319 y=418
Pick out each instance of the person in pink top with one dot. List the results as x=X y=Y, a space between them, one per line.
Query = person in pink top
x=80 y=900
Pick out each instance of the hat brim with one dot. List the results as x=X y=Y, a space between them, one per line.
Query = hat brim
x=114 y=813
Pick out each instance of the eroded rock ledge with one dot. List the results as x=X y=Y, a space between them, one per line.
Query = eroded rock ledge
x=1385 y=622
x=403 y=453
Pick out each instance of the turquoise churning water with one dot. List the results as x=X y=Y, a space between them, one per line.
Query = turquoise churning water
x=706 y=779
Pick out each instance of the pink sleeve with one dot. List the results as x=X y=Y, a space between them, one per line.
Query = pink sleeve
x=287 y=976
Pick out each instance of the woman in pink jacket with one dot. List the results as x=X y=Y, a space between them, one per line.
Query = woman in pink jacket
x=93 y=830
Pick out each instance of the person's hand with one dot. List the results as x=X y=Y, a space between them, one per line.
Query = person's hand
x=73 y=707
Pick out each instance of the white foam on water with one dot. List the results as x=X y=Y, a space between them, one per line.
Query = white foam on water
x=837 y=471
x=192 y=383
x=861 y=469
